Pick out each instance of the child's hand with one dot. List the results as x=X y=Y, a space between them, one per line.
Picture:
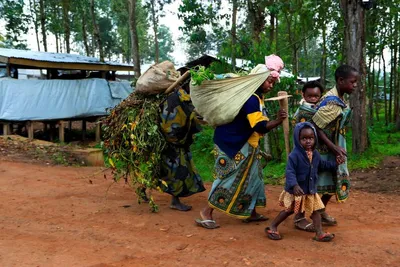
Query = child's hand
x=340 y=160
x=297 y=190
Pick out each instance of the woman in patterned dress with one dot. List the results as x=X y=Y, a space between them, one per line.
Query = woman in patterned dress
x=239 y=187
x=178 y=123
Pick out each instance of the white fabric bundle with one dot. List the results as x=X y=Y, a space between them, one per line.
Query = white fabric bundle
x=219 y=101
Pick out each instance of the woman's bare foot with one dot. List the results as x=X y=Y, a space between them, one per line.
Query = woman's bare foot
x=176 y=204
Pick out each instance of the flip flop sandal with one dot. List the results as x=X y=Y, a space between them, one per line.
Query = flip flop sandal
x=208 y=224
x=325 y=237
x=330 y=221
x=308 y=228
x=259 y=218
x=273 y=235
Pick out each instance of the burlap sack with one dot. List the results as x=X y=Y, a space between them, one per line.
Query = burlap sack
x=219 y=101
x=157 y=78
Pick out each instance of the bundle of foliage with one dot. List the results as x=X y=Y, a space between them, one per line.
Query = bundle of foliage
x=133 y=143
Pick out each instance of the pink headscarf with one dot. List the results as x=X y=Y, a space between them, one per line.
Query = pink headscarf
x=274 y=64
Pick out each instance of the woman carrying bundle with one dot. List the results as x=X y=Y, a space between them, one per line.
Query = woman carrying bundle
x=239 y=187
x=178 y=123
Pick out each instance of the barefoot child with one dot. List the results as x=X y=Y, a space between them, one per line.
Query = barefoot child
x=300 y=194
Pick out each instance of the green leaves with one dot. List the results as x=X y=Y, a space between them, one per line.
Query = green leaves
x=200 y=75
x=133 y=142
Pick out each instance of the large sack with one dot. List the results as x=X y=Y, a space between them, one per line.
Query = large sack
x=157 y=78
x=219 y=101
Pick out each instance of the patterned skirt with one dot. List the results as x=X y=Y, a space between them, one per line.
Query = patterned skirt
x=238 y=187
x=179 y=176
x=338 y=183
x=300 y=204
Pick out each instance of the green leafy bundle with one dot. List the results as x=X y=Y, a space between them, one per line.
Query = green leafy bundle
x=133 y=143
x=201 y=74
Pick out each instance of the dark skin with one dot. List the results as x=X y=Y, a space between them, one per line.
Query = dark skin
x=344 y=86
x=206 y=213
x=312 y=95
x=307 y=141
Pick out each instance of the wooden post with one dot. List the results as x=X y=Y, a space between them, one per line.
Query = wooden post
x=98 y=132
x=283 y=104
x=83 y=130
x=52 y=126
x=69 y=126
x=61 y=131
x=6 y=128
x=29 y=127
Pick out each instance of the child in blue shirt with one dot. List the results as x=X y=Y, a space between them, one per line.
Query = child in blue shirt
x=300 y=194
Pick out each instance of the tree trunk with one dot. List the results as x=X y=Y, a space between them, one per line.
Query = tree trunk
x=96 y=31
x=35 y=22
x=395 y=90
x=67 y=28
x=371 y=73
x=233 y=33
x=84 y=33
x=323 y=58
x=272 y=29
x=256 y=16
x=355 y=55
x=155 y=30
x=377 y=90
x=43 y=24
x=384 y=89
x=392 y=71
x=134 y=37
x=276 y=33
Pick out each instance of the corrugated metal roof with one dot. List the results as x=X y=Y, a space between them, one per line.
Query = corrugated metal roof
x=54 y=57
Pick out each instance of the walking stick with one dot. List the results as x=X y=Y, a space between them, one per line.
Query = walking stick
x=177 y=82
x=283 y=104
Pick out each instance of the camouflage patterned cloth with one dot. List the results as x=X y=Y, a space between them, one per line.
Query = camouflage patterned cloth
x=178 y=124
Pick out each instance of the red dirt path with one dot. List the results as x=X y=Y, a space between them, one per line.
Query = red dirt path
x=60 y=216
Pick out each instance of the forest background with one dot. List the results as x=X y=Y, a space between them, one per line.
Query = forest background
x=312 y=37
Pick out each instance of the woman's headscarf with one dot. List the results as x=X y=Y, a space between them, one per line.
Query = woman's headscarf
x=273 y=63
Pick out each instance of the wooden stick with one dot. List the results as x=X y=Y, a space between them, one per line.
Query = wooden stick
x=283 y=104
x=180 y=79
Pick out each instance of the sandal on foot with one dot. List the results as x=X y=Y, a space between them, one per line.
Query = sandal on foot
x=208 y=224
x=325 y=237
x=328 y=220
x=308 y=228
x=258 y=218
x=273 y=235
x=182 y=208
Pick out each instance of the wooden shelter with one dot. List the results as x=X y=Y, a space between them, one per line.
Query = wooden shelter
x=54 y=66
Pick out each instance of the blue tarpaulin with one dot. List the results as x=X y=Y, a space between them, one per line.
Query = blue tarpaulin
x=23 y=100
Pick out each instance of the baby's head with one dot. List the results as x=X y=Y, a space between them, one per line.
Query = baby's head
x=312 y=92
x=307 y=137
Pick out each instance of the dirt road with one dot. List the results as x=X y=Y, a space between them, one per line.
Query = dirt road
x=60 y=216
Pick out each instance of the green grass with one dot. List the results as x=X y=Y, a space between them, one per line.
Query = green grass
x=202 y=153
x=384 y=141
